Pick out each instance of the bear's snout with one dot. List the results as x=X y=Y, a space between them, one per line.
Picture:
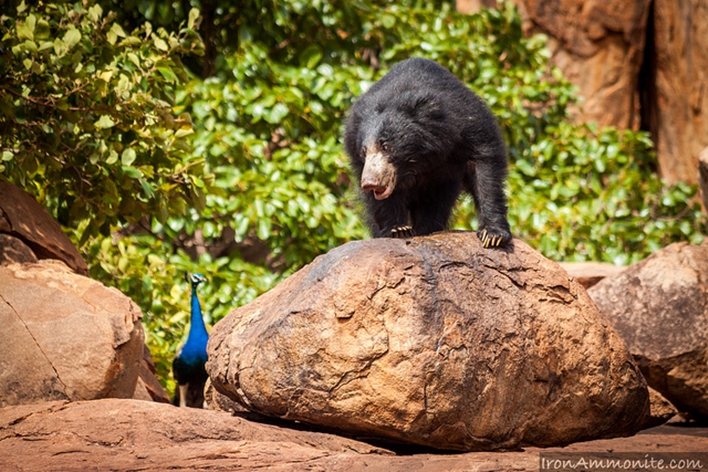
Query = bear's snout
x=378 y=176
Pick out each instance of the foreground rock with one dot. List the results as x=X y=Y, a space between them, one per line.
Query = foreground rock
x=65 y=336
x=433 y=341
x=126 y=435
x=30 y=232
x=660 y=308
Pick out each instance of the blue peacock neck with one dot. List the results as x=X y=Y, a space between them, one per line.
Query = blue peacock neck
x=196 y=340
x=197 y=325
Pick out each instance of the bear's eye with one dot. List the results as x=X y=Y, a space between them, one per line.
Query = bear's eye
x=362 y=153
x=385 y=147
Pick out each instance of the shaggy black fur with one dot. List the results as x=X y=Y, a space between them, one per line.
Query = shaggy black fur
x=416 y=139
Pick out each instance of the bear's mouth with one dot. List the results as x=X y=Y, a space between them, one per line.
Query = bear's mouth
x=381 y=193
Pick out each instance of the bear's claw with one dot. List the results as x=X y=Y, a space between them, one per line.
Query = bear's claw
x=490 y=240
x=402 y=232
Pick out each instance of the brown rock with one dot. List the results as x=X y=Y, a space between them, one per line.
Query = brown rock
x=680 y=103
x=126 y=435
x=216 y=400
x=131 y=435
x=661 y=410
x=599 y=45
x=433 y=341
x=148 y=387
x=65 y=336
x=474 y=6
x=659 y=306
x=21 y=216
x=590 y=273
x=13 y=250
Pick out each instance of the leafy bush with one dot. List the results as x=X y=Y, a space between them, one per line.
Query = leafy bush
x=264 y=168
x=86 y=121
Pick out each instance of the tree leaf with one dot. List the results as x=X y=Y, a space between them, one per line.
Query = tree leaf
x=167 y=74
x=193 y=17
x=128 y=157
x=161 y=44
x=132 y=172
x=71 y=37
x=104 y=122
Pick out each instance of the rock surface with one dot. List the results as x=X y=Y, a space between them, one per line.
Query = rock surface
x=148 y=387
x=65 y=336
x=123 y=435
x=661 y=410
x=433 y=341
x=659 y=306
x=13 y=250
x=590 y=273
x=680 y=96
x=599 y=45
x=22 y=217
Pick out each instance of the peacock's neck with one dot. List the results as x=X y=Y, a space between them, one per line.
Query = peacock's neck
x=197 y=327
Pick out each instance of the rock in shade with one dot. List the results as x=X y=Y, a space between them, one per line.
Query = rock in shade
x=65 y=336
x=13 y=250
x=659 y=306
x=433 y=341
x=22 y=217
x=148 y=387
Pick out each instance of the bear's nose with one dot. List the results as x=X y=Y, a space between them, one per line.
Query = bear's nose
x=367 y=185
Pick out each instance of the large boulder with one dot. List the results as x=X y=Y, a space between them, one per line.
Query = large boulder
x=65 y=336
x=434 y=341
x=31 y=229
x=659 y=306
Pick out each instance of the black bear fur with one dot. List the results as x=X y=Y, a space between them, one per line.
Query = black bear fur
x=416 y=139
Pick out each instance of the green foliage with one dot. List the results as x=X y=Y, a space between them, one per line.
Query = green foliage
x=251 y=156
x=582 y=194
x=149 y=271
x=86 y=118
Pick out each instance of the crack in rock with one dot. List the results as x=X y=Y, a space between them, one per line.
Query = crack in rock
x=39 y=346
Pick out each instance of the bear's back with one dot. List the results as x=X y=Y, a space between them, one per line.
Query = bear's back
x=428 y=81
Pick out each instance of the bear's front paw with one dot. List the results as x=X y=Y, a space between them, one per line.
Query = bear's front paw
x=402 y=232
x=494 y=238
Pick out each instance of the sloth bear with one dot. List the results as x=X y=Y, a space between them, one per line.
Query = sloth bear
x=416 y=139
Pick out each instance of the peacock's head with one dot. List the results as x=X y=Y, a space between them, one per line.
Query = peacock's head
x=194 y=279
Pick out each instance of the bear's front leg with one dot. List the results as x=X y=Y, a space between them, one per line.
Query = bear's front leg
x=485 y=181
x=390 y=217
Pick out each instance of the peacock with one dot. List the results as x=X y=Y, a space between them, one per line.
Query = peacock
x=188 y=365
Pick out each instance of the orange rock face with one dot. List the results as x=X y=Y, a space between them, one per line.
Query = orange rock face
x=433 y=341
